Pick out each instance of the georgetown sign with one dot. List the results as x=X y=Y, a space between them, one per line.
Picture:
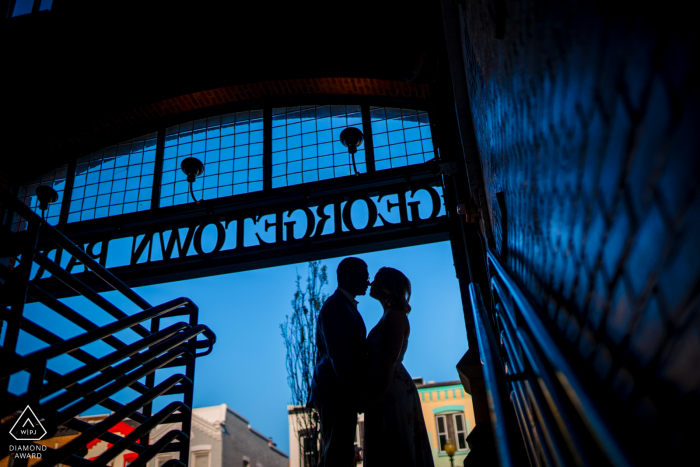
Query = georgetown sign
x=281 y=233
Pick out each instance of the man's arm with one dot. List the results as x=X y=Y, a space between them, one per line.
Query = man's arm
x=337 y=326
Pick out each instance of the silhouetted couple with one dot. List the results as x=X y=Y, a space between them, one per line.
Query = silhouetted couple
x=356 y=374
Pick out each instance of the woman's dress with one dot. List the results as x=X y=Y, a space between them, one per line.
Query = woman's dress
x=395 y=431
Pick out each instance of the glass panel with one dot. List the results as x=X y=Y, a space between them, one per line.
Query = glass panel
x=401 y=137
x=230 y=147
x=22 y=7
x=443 y=441
x=306 y=143
x=27 y=194
x=461 y=441
x=114 y=180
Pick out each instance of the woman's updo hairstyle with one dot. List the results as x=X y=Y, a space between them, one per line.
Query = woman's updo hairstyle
x=394 y=287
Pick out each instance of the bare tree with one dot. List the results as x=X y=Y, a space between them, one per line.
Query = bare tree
x=299 y=334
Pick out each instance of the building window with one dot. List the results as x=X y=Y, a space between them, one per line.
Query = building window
x=401 y=137
x=306 y=143
x=161 y=460
x=200 y=459
x=441 y=431
x=27 y=194
x=230 y=147
x=460 y=432
x=114 y=180
x=452 y=427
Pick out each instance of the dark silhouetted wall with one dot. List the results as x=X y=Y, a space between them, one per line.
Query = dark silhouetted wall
x=587 y=119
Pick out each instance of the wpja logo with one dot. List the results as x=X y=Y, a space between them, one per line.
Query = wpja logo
x=28 y=427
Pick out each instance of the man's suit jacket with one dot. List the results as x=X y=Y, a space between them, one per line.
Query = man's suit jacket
x=341 y=359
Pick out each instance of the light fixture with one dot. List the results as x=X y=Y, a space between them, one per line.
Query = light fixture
x=193 y=168
x=450 y=449
x=45 y=195
x=351 y=138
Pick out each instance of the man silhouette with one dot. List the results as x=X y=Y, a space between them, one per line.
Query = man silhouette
x=338 y=382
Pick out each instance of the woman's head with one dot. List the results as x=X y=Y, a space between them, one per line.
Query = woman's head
x=392 y=288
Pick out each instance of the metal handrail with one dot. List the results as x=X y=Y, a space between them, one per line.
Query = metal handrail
x=142 y=429
x=104 y=362
x=81 y=289
x=546 y=430
x=89 y=337
x=99 y=429
x=64 y=242
x=549 y=364
x=157 y=448
x=494 y=378
x=97 y=379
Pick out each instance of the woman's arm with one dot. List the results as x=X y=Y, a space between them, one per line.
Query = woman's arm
x=395 y=330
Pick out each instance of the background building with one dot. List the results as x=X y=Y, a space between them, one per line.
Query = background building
x=222 y=437
x=306 y=459
x=448 y=414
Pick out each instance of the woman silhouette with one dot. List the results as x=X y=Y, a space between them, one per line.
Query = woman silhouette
x=395 y=431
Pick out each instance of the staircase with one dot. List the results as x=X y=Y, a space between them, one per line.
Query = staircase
x=58 y=398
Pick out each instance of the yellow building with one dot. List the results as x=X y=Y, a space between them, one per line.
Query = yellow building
x=448 y=414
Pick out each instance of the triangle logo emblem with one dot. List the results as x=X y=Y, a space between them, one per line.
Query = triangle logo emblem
x=28 y=427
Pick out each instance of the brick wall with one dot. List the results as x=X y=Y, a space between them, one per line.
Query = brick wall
x=238 y=94
x=588 y=125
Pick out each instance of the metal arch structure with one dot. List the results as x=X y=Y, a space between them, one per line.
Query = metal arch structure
x=173 y=234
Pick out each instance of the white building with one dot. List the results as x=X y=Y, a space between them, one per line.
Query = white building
x=222 y=437
x=295 y=431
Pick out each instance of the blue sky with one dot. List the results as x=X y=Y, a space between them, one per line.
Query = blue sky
x=246 y=370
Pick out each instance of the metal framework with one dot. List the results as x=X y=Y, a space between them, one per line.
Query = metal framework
x=59 y=397
x=170 y=246
x=161 y=237
x=159 y=135
x=537 y=399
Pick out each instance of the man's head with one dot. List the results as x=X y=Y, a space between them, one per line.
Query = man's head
x=353 y=276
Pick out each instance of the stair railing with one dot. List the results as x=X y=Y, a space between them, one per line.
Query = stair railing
x=530 y=378
x=59 y=399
